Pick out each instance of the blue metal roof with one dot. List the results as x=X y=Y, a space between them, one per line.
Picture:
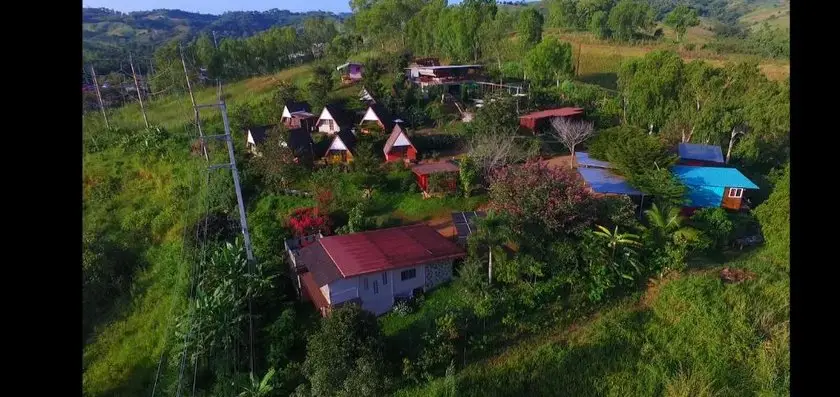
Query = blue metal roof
x=712 y=176
x=583 y=159
x=604 y=181
x=705 y=196
x=694 y=151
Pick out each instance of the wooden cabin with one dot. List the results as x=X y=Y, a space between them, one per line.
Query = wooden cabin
x=297 y=115
x=299 y=140
x=255 y=136
x=441 y=169
x=538 y=121
x=399 y=147
x=376 y=115
x=712 y=187
x=333 y=118
x=695 y=154
x=352 y=72
x=341 y=147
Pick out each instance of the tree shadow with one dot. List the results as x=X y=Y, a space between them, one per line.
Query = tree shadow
x=606 y=80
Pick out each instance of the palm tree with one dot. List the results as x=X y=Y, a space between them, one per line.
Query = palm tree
x=259 y=388
x=668 y=223
x=625 y=241
x=494 y=231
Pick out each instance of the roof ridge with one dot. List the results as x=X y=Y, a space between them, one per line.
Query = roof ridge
x=335 y=264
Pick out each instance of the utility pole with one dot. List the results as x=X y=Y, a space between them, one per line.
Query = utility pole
x=99 y=96
x=243 y=221
x=137 y=86
x=214 y=40
x=195 y=109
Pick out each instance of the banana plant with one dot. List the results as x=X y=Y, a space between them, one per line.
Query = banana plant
x=257 y=387
x=623 y=242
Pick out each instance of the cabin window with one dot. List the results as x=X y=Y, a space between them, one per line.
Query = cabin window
x=365 y=283
x=384 y=278
x=408 y=274
x=736 y=192
x=375 y=287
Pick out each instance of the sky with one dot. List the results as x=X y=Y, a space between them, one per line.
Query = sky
x=220 y=6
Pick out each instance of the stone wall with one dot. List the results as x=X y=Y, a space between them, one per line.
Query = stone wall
x=437 y=273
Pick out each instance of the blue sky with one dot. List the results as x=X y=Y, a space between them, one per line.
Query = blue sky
x=220 y=6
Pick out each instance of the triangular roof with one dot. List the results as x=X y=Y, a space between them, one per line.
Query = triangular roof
x=258 y=133
x=397 y=138
x=343 y=140
x=380 y=113
x=292 y=107
x=300 y=141
x=339 y=114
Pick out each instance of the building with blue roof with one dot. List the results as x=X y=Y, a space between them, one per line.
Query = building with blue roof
x=603 y=181
x=584 y=160
x=711 y=187
x=697 y=154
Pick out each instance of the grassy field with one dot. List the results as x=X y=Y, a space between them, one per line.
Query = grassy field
x=691 y=335
x=600 y=60
x=776 y=16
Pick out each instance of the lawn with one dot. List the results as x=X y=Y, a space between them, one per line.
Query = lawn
x=690 y=335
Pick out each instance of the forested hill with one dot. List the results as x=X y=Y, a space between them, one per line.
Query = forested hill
x=109 y=35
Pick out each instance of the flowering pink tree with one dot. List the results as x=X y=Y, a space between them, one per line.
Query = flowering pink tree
x=306 y=221
x=535 y=194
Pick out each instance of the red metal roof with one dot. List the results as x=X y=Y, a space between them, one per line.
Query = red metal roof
x=560 y=112
x=377 y=250
x=432 y=168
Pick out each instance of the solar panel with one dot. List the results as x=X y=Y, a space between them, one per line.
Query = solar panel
x=465 y=222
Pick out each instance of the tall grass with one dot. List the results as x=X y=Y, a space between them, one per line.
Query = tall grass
x=697 y=337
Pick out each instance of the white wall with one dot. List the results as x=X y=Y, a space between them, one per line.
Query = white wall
x=343 y=290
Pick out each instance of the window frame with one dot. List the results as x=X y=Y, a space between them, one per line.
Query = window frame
x=404 y=274
x=736 y=192
x=365 y=283
x=385 y=278
x=375 y=287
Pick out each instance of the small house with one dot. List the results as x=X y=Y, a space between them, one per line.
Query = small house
x=373 y=269
x=538 y=121
x=352 y=72
x=333 y=118
x=398 y=146
x=299 y=140
x=712 y=187
x=341 y=147
x=376 y=116
x=255 y=136
x=700 y=155
x=297 y=115
x=438 y=177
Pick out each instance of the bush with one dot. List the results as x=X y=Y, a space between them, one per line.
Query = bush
x=402 y=308
x=774 y=214
x=714 y=223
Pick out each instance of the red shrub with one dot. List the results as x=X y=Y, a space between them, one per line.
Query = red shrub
x=307 y=221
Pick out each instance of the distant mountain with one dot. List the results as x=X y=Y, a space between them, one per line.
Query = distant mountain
x=109 y=35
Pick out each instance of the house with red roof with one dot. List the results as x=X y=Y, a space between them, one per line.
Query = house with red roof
x=398 y=146
x=373 y=268
x=537 y=121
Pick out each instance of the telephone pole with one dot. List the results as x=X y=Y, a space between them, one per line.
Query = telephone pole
x=137 y=86
x=99 y=96
x=195 y=108
x=243 y=220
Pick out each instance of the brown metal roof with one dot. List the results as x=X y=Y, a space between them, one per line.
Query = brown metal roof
x=319 y=263
x=560 y=112
x=378 y=250
x=432 y=168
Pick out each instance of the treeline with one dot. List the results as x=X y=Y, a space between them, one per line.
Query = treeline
x=110 y=35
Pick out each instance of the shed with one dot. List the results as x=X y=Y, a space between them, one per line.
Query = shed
x=423 y=171
x=376 y=114
x=711 y=187
x=699 y=154
x=354 y=71
x=533 y=121
x=398 y=146
x=334 y=118
x=297 y=115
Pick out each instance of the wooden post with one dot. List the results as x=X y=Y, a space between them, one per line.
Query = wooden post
x=137 y=86
x=99 y=96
